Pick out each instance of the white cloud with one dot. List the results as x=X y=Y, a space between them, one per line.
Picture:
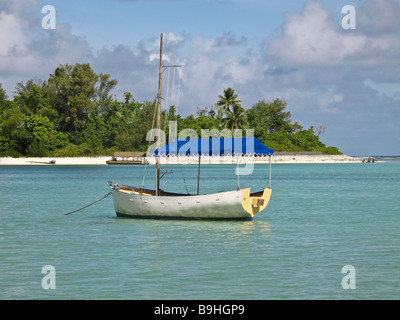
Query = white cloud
x=379 y=18
x=16 y=6
x=213 y=65
x=345 y=79
x=12 y=37
x=326 y=99
x=133 y=67
x=29 y=52
x=314 y=38
x=209 y=66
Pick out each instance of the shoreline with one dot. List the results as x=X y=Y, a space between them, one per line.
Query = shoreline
x=102 y=160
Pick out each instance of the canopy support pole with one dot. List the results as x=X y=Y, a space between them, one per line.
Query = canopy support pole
x=237 y=171
x=270 y=171
x=198 y=176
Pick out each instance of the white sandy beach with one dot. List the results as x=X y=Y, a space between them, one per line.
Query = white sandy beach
x=278 y=158
x=58 y=161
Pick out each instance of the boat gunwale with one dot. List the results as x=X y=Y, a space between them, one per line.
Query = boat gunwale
x=152 y=193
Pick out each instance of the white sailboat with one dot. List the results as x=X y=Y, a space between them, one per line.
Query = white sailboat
x=136 y=202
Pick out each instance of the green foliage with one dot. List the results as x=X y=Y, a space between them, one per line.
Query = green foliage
x=229 y=99
x=12 y=128
x=306 y=140
x=72 y=150
x=35 y=101
x=272 y=125
x=271 y=116
x=235 y=119
x=331 y=150
x=4 y=144
x=72 y=114
x=36 y=148
x=3 y=97
x=41 y=129
x=72 y=92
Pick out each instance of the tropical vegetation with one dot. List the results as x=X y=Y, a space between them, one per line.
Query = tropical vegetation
x=74 y=114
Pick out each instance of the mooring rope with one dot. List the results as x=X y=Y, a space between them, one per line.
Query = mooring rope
x=102 y=198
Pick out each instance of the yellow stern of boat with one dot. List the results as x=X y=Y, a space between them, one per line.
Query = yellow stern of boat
x=255 y=203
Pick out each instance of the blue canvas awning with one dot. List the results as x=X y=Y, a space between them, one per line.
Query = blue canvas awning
x=215 y=147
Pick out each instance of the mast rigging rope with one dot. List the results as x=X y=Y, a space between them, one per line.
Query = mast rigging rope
x=102 y=198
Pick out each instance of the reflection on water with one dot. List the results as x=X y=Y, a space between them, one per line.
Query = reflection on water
x=193 y=237
x=255 y=226
x=199 y=226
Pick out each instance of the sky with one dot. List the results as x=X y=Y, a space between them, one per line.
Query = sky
x=347 y=79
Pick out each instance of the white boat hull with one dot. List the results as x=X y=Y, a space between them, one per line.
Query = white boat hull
x=138 y=203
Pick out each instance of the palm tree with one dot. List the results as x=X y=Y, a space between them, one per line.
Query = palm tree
x=228 y=99
x=235 y=119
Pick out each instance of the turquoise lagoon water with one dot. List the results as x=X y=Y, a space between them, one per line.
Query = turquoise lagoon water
x=321 y=217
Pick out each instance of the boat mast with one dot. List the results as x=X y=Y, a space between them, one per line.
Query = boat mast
x=159 y=118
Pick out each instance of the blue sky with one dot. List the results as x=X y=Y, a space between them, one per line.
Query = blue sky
x=347 y=80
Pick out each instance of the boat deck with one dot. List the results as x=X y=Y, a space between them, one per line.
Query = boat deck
x=148 y=192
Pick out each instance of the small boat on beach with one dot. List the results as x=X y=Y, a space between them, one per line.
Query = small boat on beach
x=238 y=204
x=43 y=162
x=128 y=158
